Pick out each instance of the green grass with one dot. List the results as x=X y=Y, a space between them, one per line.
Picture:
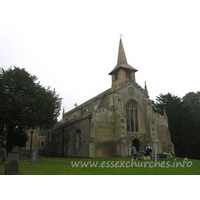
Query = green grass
x=62 y=166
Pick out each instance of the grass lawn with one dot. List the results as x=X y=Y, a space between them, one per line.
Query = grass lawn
x=62 y=166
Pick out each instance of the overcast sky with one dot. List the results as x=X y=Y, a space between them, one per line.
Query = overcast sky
x=73 y=45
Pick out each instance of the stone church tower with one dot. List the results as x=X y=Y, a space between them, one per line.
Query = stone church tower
x=109 y=124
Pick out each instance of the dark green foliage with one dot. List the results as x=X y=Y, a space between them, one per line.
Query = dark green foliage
x=192 y=100
x=183 y=124
x=25 y=104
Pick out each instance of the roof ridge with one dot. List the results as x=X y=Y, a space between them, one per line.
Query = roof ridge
x=88 y=101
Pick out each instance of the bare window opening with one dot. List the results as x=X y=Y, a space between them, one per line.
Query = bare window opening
x=116 y=76
x=42 y=143
x=128 y=74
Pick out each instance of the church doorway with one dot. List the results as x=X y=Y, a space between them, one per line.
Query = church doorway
x=136 y=144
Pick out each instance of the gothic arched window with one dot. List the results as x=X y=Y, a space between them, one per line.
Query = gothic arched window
x=132 y=116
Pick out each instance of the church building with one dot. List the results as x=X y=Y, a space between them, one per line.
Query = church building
x=109 y=124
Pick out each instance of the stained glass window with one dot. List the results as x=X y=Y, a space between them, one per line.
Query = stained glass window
x=132 y=116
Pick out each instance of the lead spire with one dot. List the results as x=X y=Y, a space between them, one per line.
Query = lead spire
x=121 y=53
x=122 y=61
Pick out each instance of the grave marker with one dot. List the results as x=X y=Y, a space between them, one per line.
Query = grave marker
x=11 y=167
x=34 y=158
x=16 y=149
x=14 y=154
x=22 y=153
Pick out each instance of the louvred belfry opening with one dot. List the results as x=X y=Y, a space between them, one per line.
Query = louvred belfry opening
x=123 y=71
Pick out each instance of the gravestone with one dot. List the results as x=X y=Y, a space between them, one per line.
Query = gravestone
x=14 y=154
x=16 y=149
x=3 y=155
x=34 y=158
x=11 y=167
x=22 y=153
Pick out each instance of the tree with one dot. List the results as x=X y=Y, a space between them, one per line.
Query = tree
x=182 y=124
x=2 y=100
x=25 y=105
x=192 y=100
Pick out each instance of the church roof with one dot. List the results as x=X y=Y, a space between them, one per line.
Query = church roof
x=122 y=61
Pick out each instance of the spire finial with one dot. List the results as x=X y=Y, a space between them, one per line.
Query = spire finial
x=121 y=36
x=145 y=85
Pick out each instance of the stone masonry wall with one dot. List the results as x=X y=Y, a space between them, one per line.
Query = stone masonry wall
x=104 y=140
x=63 y=141
x=71 y=149
x=164 y=136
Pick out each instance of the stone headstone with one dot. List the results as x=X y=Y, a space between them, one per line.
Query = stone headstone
x=22 y=153
x=16 y=149
x=11 y=167
x=13 y=156
x=35 y=151
x=3 y=155
x=34 y=158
